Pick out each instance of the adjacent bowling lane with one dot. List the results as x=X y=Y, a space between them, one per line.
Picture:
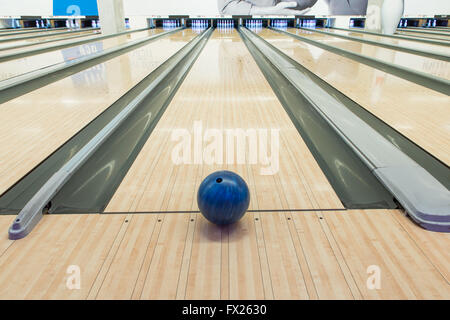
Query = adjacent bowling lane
x=401 y=42
x=5 y=32
x=419 y=34
x=408 y=60
x=426 y=29
x=9 y=47
x=36 y=124
x=41 y=35
x=417 y=112
x=39 y=40
x=16 y=67
x=224 y=94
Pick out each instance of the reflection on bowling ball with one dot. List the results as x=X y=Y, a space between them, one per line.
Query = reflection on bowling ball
x=223 y=197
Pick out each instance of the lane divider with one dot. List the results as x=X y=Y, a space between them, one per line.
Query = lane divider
x=41 y=202
x=14 y=87
x=428 y=54
x=422 y=196
x=424 y=79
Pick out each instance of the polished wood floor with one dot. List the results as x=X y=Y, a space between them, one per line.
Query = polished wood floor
x=24 y=65
x=224 y=90
x=271 y=255
x=298 y=242
x=419 y=113
x=67 y=105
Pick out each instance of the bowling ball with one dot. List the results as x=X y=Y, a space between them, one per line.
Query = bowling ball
x=223 y=197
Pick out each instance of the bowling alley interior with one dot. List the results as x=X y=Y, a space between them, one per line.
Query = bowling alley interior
x=225 y=150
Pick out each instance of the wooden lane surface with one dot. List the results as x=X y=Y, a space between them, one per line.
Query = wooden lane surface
x=377 y=238
x=24 y=65
x=9 y=47
x=401 y=42
x=69 y=104
x=273 y=255
x=408 y=60
x=39 y=40
x=438 y=37
x=48 y=34
x=418 y=113
x=224 y=90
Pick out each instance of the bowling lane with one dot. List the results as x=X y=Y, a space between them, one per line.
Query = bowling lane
x=423 y=35
x=400 y=42
x=36 y=124
x=427 y=29
x=34 y=30
x=417 y=112
x=36 y=41
x=408 y=60
x=16 y=67
x=41 y=35
x=224 y=92
x=8 y=48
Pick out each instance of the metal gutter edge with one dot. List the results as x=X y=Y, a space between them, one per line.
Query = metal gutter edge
x=12 y=31
x=12 y=56
x=33 y=211
x=429 y=54
x=434 y=83
x=424 y=32
x=45 y=35
x=19 y=85
x=438 y=43
x=30 y=44
x=424 y=198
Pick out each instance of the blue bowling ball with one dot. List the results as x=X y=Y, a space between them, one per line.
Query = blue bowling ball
x=223 y=197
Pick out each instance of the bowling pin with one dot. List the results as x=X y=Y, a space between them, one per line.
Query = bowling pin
x=391 y=12
x=434 y=23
